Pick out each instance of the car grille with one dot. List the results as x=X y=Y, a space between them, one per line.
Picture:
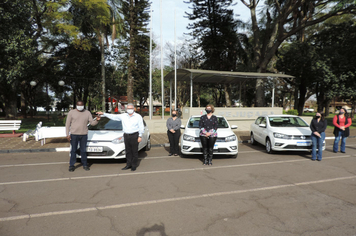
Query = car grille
x=299 y=137
x=297 y=147
x=215 y=150
x=218 y=140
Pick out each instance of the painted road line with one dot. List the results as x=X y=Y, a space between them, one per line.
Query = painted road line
x=162 y=171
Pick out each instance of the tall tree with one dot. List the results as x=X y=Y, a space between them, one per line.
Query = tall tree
x=136 y=18
x=214 y=29
x=282 y=20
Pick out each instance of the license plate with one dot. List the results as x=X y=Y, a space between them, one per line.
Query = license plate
x=94 y=149
x=303 y=143
x=215 y=146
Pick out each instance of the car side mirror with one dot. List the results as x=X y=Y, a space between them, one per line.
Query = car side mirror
x=233 y=126
x=262 y=125
x=182 y=127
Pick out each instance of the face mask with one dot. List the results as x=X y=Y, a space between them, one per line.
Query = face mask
x=130 y=111
x=341 y=112
x=80 y=108
x=208 y=111
x=174 y=115
x=317 y=117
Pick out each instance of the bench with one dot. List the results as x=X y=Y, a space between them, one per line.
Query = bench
x=10 y=125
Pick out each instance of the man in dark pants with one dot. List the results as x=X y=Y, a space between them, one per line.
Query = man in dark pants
x=132 y=125
x=77 y=124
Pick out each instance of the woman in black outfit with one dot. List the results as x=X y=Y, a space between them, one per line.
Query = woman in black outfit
x=318 y=126
x=208 y=125
x=173 y=132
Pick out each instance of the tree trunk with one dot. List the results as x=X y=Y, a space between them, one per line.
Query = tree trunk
x=227 y=95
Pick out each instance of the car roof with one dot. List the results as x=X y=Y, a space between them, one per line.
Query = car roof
x=284 y=115
x=201 y=115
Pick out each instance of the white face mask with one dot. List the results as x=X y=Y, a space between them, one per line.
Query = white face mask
x=80 y=108
x=130 y=111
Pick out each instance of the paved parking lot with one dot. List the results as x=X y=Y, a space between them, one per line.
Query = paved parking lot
x=255 y=194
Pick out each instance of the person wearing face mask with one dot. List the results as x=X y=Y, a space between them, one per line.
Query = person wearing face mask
x=132 y=125
x=318 y=126
x=342 y=123
x=208 y=126
x=77 y=133
x=173 y=131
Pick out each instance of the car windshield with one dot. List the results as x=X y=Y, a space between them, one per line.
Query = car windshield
x=285 y=121
x=194 y=122
x=107 y=124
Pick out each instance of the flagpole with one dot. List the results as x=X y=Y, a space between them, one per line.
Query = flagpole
x=175 y=62
x=162 y=82
x=150 y=90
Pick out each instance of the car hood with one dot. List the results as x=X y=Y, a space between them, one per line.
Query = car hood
x=292 y=130
x=104 y=135
x=222 y=133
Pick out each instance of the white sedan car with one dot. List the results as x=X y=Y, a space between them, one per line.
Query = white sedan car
x=282 y=133
x=106 y=140
x=226 y=142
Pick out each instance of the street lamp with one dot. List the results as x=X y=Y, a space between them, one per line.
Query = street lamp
x=61 y=83
x=33 y=83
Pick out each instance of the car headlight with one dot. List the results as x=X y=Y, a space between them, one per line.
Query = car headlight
x=279 y=135
x=230 y=138
x=188 y=138
x=118 y=140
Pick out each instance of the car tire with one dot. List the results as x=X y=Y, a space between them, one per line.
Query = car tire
x=234 y=156
x=269 y=146
x=252 y=139
x=148 y=145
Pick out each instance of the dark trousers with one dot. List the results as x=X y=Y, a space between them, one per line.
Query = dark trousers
x=131 y=149
x=82 y=140
x=208 y=145
x=173 y=141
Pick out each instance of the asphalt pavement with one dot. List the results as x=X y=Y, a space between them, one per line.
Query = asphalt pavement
x=281 y=194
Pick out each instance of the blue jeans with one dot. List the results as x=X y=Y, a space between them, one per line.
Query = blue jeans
x=317 y=143
x=82 y=140
x=341 y=136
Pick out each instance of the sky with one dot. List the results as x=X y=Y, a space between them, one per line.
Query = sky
x=178 y=8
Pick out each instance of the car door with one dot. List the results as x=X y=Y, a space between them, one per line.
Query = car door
x=257 y=129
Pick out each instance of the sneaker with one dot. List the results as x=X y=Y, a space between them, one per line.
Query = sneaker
x=86 y=168
x=71 y=168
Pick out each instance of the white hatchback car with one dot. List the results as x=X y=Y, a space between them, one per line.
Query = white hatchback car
x=106 y=140
x=226 y=142
x=282 y=133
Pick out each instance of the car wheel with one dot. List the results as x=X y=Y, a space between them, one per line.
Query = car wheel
x=148 y=145
x=269 y=146
x=252 y=139
x=234 y=156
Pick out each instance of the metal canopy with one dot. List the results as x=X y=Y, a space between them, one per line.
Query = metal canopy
x=211 y=76
x=220 y=77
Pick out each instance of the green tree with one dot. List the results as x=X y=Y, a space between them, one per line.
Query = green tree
x=283 y=20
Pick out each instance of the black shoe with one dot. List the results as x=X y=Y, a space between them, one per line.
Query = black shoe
x=343 y=152
x=313 y=159
x=170 y=154
x=86 y=168
x=71 y=168
x=319 y=160
x=126 y=168
x=133 y=168
x=334 y=152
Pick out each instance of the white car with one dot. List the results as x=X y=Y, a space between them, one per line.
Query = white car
x=282 y=133
x=226 y=142
x=106 y=140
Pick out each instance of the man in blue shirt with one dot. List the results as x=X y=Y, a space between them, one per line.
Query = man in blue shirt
x=132 y=125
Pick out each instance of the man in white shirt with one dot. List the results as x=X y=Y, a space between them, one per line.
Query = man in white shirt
x=132 y=125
